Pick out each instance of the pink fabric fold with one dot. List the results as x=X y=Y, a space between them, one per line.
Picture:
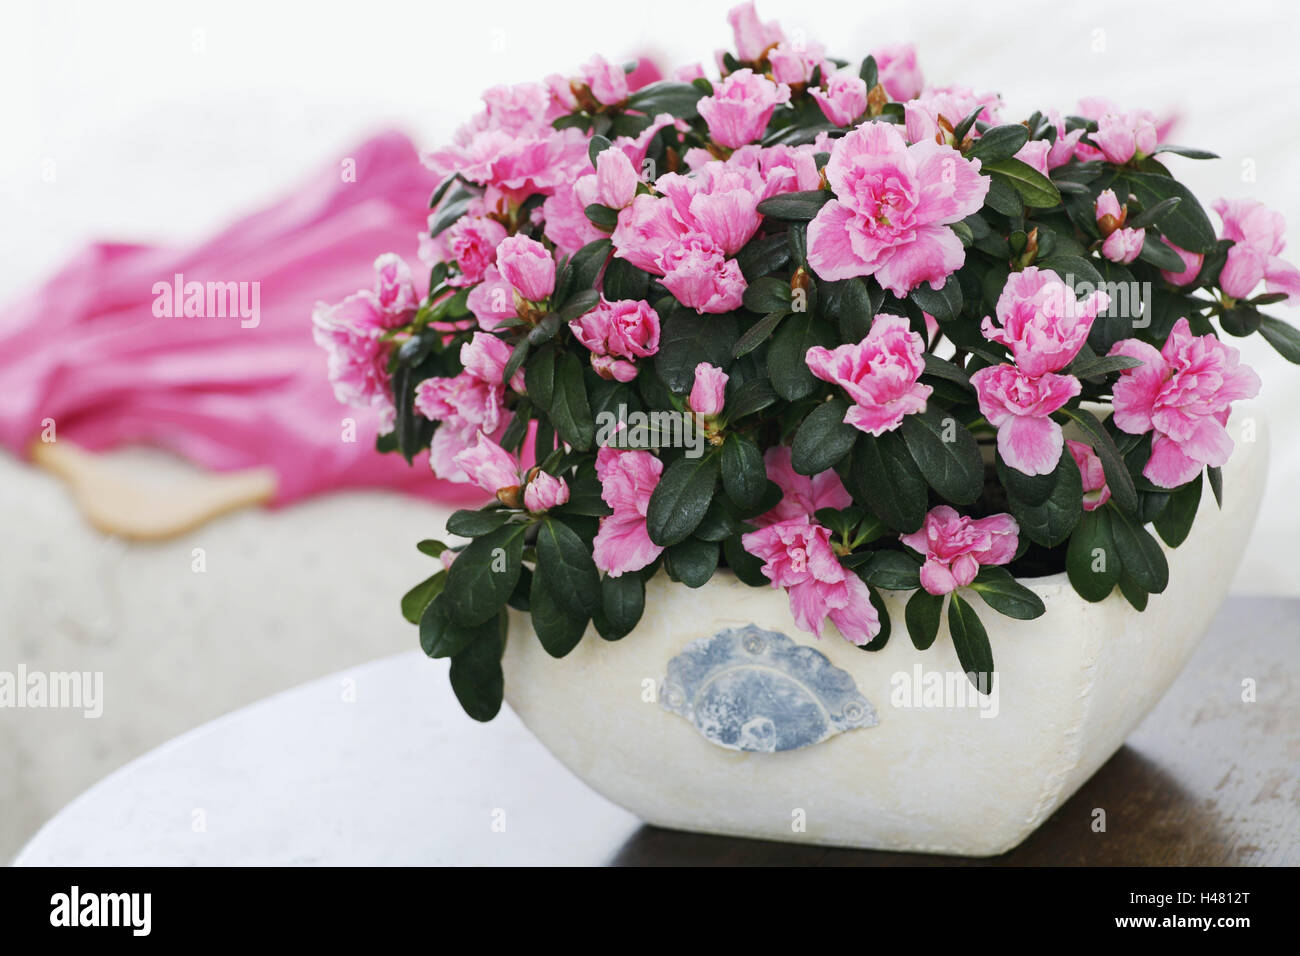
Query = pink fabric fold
x=86 y=350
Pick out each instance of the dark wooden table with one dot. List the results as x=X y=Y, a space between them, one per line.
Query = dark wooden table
x=1207 y=779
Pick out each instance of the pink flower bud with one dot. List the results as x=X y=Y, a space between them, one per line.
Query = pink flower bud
x=1191 y=265
x=616 y=179
x=544 y=492
x=708 y=393
x=845 y=97
x=527 y=266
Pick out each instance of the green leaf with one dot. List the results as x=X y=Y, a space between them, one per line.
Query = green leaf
x=823 y=438
x=1001 y=142
x=1002 y=592
x=762 y=257
x=558 y=628
x=678 y=503
x=972 y=643
x=753 y=396
x=679 y=99
x=1186 y=225
x=922 y=618
x=476 y=676
x=1096 y=366
x=1215 y=478
x=602 y=217
x=1175 y=522
x=579 y=304
x=1159 y=255
x=622 y=604
x=1283 y=336
x=878 y=642
x=1186 y=151
x=787 y=356
x=1092 y=561
x=539 y=378
x=1051 y=522
x=625 y=281
x=1151 y=217
x=692 y=562
x=1112 y=462
x=856 y=309
x=569 y=409
x=758 y=333
x=431 y=547
x=946 y=453
x=1029 y=490
x=744 y=478
x=419 y=597
x=564 y=560
x=891 y=570
x=795 y=207
x=889 y=482
x=1133 y=593
x=943 y=303
x=689 y=339
x=1034 y=188
x=1140 y=554
x=767 y=294
x=484 y=574
x=942 y=368
x=474 y=524
x=440 y=636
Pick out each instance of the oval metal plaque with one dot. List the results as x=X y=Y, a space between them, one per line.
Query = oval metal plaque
x=750 y=689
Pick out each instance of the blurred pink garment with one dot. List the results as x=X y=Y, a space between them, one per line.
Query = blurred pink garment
x=87 y=350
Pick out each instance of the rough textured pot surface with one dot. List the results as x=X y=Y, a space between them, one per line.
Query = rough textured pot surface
x=1071 y=686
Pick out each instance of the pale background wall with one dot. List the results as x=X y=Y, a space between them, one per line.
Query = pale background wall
x=162 y=120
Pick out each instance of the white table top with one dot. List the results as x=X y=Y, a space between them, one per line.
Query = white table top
x=397 y=776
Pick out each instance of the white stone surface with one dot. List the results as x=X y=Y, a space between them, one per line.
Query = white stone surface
x=268 y=600
x=375 y=765
x=1071 y=686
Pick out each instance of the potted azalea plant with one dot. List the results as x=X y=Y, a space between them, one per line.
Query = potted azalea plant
x=911 y=368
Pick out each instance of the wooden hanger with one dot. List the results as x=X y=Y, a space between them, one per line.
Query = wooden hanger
x=121 y=504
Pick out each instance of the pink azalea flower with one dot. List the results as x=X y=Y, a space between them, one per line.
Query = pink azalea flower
x=700 y=276
x=616 y=332
x=753 y=37
x=955 y=547
x=796 y=62
x=493 y=300
x=351 y=333
x=897 y=71
x=471 y=243
x=528 y=267
x=1018 y=405
x=1095 y=490
x=1256 y=232
x=741 y=106
x=1192 y=262
x=802 y=495
x=879 y=374
x=845 y=98
x=1123 y=245
x=1183 y=394
x=468 y=403
x=709 y=391
x=687 y=233
x=892 y=209
x=608 y=83
x=616 y=179
x=778 y=169
x=797 y=556
x=1122 y=136
x=927 y=116
x=1110 y=214
x=1035 y=154
x=490 y=467
x=1065 y=144
x=627 y=479
x=545 y=491
x=1041 y=321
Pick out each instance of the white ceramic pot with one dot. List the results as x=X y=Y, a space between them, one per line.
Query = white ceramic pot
x=967 y=780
